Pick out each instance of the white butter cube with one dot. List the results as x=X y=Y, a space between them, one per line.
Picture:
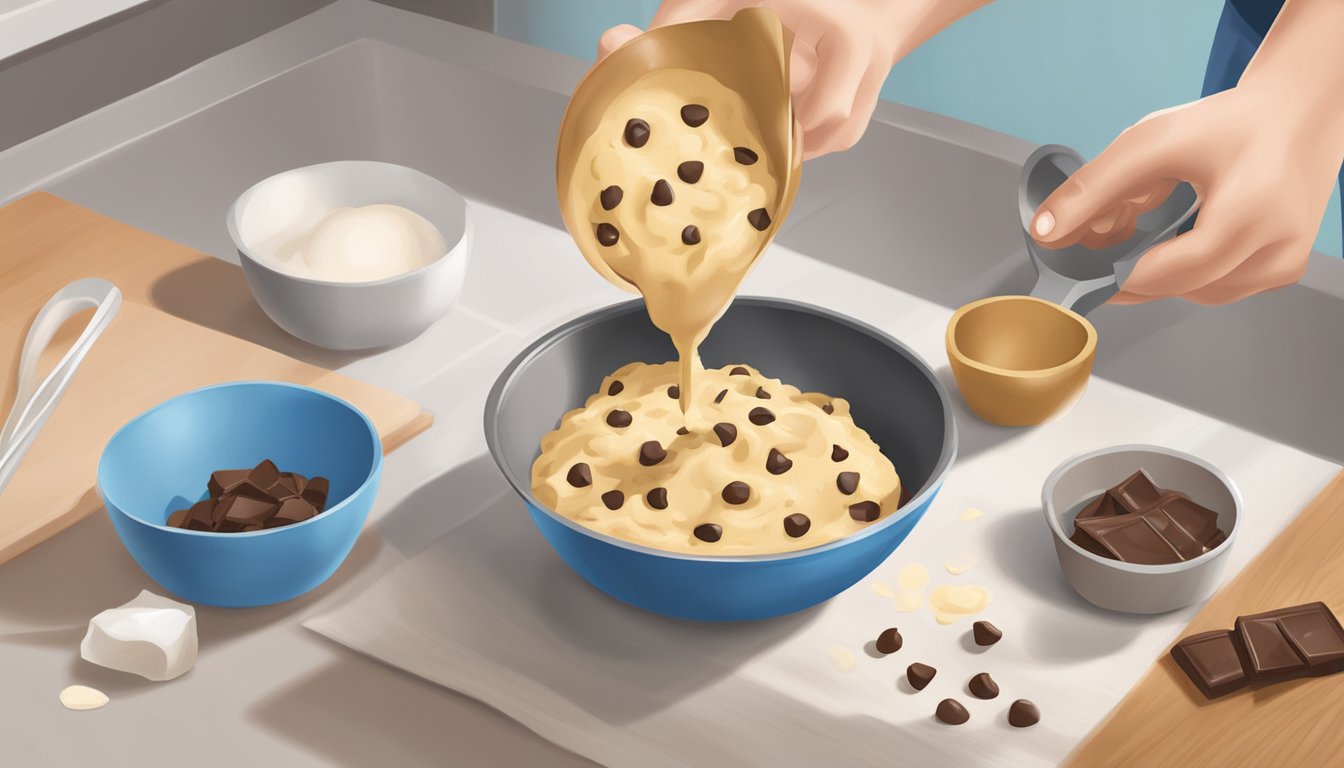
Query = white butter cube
x=151 y=636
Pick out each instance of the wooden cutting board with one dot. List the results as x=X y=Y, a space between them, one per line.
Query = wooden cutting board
x=1163 y=721
x=187 y=321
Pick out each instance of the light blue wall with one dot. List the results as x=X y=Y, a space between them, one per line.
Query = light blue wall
x=1073 y=72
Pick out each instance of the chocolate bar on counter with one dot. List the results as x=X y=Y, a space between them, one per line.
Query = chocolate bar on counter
x=1264 y=648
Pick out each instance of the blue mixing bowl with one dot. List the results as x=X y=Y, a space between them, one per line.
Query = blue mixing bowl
x=161 y=460
x=893 y=394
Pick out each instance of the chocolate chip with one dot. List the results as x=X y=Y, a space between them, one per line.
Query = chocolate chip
x=739 y=371
x=619 y=419
x=611 y=197
x=657 y=497
x=662 y=193
x=865 y=511
x=744 y=156
x=636 y=132
x=838 y=453
x=177 y=519
x=919 y=675
x=708 y=532
x=683 y=431
x=889 y=641
x=580 y=475
x=796 y=525
x=694 y=115
x=613 y=499
x=690 y=171
x=674 y=392
x=847 y=482
x=736 y=492
x=727 y=433
x=759 y=219
x=1023 y=714
x=615 y=388
x=982 y=686
x=777 y=463
x=607 y=234
x=315 y=492
x=762 y=394
x=224 y=479
x=760 y=416
x=952 y=712
x=719 y=398
x=651 y=453
x=985 y=633
x=690 y=235
x=828 y=408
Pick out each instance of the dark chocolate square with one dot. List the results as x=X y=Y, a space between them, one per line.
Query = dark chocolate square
x=1136 y=492
x=1266 y=651
x=1211 y=661
x=1131 y=539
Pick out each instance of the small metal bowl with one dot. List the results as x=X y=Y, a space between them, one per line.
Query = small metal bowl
x=346 y=315
x=1130 y=587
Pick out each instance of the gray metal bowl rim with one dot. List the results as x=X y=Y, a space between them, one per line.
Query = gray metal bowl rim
x=524 y=488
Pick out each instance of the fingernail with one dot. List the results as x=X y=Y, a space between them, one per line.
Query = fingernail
x=1045 y=222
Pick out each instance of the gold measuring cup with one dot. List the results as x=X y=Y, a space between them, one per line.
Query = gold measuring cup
x=748 y=54
x=1018 y=360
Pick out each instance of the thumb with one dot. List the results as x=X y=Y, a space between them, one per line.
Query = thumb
x=1130 y=166
x=616 y=37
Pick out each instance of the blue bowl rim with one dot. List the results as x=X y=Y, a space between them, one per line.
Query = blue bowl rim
x=374 y=468
x=554 y=336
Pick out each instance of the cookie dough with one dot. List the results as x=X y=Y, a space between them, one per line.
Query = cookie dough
x=757 y=467
x=679 y=192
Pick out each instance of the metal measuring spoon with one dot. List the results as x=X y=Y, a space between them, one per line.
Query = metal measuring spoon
x=1077 y=277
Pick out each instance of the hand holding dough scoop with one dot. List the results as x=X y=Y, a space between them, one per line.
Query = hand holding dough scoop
x=678 y=158
x=1019 y=360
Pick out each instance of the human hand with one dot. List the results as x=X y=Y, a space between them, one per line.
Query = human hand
x=1262 y=157
x=842 y=52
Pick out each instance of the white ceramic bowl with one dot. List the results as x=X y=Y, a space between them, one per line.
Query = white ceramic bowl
x=343 y=315
x=1130 y=587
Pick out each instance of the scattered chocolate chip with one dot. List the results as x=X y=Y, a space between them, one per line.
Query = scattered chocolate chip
x=982 y=686
x=985 y=633
x=828 y=408
x=694 y=115
x=674 y=392
x=690 y=235
x=657 y=497
x=796 y=525
x=744 y=156
x=636 y=132
x=847 y=482
x=865 y=511
x=683 y=431
x=919 y=675
x=615 y=388
x=613 y=500
x=762 y=394
x=736 y=492
x=662 y=193
x=607 y=234
x=719 y=398
x=759 y=219
x=777 y=463
x=580 y=475
x=889 y=641
x=838 y=454
x=708 y=532
x=690 y=171
x=739 y=371
x=619 y=419
x=727 y=433
x=611 y=197
x=952 y=712
x=760 y=416
x=651 y=452
x=1023 y=714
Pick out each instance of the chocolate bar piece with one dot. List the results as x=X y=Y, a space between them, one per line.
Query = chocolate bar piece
x=1137 y=522
x=1104 y=505
x=254 y=499
x=1301 y=641
x=1211 y=661
x=1137 y=492
x=225 y=479
x=1131 y=539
